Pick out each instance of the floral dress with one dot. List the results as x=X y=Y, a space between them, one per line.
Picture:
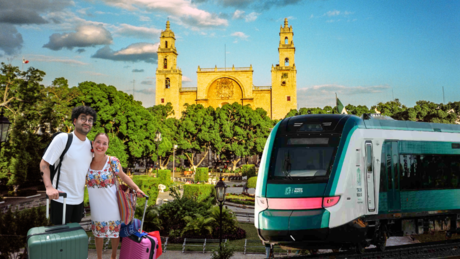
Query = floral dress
x=102 y=190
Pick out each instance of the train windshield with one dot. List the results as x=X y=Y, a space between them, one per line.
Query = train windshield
x=307 y=159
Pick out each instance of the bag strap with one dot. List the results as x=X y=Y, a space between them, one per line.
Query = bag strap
x=67 y=146
x=113 y=173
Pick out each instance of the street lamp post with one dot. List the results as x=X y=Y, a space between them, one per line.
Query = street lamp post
x=221 y=188
x=4 y=127
x=174 y=160
x=157 y=141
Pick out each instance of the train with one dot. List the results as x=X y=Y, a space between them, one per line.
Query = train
x=331 y=181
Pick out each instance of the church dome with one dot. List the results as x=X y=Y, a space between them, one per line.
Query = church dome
x=168 y=32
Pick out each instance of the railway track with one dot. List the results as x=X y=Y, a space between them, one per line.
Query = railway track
x=441 y=249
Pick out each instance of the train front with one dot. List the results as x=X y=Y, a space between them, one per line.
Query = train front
x=295 y=180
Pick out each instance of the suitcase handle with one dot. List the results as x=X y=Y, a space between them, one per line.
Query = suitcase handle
x=63 y=194
x=54 y=228
x=143 y=215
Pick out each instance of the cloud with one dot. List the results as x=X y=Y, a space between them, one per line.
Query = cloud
x=238 y=14
x=240 y=35
x=79 y=51
x=322 y=95
x=85 y=36
x=93 y=73
x=138 y=70
x=127 y=66
x=254 y=4
x=131 y=31
x=147 y=82
x=186 y=79
x=333 y=13
x=43 y=58
x=29 y=12
x=144 y=18
x=183 y=11
x=136 y=52
x=146 y=91
x=10 y=39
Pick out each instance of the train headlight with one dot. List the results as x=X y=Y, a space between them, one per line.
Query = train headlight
x=262 y=203
x=330 y=201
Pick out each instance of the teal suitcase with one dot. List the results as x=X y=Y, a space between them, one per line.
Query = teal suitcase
x=68 y=241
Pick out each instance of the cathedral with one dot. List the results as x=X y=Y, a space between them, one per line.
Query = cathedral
x=219 y=86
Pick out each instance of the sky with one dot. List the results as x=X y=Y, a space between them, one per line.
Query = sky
x=365 y=51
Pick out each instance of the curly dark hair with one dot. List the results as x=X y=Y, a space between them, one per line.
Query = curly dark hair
x=83 y=110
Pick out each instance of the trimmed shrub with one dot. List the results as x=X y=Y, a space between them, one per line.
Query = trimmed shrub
x=149 y=185
x=201 y=175
x=199 y=192
x=252 y=182
x=249 y=170
x=165 y=178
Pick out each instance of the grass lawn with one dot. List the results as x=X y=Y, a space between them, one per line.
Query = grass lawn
x=251 y=234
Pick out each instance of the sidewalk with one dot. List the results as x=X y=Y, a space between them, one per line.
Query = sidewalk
x=179 y=254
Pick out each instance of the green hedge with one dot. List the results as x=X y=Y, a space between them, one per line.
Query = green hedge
x=252 y=182
x=201 y=175
x=165 y=178
x=86 y=198
x=249 y=170
x=200 y=192
x=149 y=185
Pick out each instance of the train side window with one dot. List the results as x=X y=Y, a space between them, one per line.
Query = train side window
x=369 y=157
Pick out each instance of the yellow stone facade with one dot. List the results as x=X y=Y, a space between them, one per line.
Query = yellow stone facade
x=218 y=86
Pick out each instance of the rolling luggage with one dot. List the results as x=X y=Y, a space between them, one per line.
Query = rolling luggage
x=139 y=245
x=68 y=241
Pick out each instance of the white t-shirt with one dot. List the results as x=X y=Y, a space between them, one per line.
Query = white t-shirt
x=74 y=166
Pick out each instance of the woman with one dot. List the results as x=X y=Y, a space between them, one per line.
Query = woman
x=105 y=216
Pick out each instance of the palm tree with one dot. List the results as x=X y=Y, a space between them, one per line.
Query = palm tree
x=199 y=225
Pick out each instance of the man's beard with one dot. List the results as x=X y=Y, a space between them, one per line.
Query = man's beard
x=81 y=130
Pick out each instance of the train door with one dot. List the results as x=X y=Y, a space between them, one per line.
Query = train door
x=370 y=183
x=392 y=171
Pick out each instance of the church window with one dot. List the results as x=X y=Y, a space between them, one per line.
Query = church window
x=165 y=63
x=286 y=62
x=166 y=44
x=286 y=40
x=167 y=83
x=289 y=98
x=283 y=83
x=162 y=100
x=285 y=75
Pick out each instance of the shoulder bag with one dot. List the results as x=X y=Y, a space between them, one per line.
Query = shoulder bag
x=126 y=197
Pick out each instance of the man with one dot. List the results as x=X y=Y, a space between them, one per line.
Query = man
x=73 y=169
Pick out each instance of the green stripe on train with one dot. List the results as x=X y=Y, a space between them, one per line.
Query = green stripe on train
x=264 y=162
x=427 y=147
x=420 y=201
x=293 y=220
x=295 y=190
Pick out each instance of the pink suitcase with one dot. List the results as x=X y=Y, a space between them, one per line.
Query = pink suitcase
x=139 y=247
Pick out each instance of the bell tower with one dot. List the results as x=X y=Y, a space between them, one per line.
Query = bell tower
x=168 y=75
x=284 y=75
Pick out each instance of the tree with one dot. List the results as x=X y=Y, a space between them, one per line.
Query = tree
x=168 y=127
x=130 y=127
x=197 y=132
x=242 y=131
x=21 y=92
